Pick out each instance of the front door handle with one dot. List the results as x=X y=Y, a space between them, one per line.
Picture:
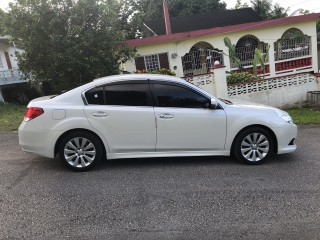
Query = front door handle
x=100 y=114
x=166 y=116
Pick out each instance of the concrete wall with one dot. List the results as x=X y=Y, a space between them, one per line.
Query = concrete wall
x=279 y=92
x=267 y=35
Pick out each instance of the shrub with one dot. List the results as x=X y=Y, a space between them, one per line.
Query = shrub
x=239 y=77
x=163 y=71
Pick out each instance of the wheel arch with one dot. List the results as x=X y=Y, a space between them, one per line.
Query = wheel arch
x=58 y=142
x=269 y=130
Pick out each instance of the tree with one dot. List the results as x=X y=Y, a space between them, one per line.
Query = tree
x=266 y=10
x=233 y=53
x=260 y=58
x=2 y=15
x=262 y=8
x=152 y=9
x=135 y=12
x=67 y=44
x=278 y=12
x=239 y=5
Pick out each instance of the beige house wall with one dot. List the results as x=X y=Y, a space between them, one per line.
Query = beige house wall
x=267 y=35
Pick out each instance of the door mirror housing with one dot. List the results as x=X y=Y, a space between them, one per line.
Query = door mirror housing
x=213 y=103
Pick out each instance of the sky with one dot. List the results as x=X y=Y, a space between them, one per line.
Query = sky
x=311 y=5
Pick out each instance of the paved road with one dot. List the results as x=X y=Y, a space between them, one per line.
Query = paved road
x=172 y=198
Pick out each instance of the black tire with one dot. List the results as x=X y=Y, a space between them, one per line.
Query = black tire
x=253 y=146
x=80 y=151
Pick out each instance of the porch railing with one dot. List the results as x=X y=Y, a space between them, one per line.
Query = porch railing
x=246 y=55
x=292 y=48
x=200 y=61
x=11 y=77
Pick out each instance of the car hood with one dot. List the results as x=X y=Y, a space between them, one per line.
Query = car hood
x=246 y=104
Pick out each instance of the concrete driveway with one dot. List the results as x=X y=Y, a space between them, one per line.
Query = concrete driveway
x=171 y=198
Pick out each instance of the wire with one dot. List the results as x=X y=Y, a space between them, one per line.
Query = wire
x=299 y=3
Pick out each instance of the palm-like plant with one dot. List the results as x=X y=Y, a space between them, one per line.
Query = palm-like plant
x=266 y=10
x=262 y=7
x=232 y=52
x=279 y=12
x=260 y=58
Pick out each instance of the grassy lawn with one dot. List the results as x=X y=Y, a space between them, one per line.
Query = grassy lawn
x=11 y=116
x=303 y=116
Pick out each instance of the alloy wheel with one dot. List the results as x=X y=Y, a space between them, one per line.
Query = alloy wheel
x=79 y=152
x=255 y=147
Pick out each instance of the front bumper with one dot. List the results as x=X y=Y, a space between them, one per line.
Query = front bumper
x=285 y=136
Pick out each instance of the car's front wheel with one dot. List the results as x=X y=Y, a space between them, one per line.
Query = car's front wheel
x=80 y=151
x=253 y=145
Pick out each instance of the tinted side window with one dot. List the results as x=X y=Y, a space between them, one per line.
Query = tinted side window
x=131 y=94
x=175 y=96
x=95 y=96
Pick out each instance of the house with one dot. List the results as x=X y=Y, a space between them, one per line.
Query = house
x=318 y=40
x=10 y=75
x=189 y=45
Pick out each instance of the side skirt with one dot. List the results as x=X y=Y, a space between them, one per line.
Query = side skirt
x=166 y=154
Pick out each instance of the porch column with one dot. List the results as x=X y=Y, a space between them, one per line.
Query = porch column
x=318 y=80
x=314 y=53
x=176 y=64
x=220 y=80
x=272 y=64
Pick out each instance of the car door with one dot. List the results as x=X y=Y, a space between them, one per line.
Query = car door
x=184 y=121
x=122 y=112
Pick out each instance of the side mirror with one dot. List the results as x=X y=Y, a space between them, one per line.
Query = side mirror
x=213 y=103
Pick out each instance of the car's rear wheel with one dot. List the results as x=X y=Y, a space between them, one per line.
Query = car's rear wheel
x=253 y=146
x=80 y=151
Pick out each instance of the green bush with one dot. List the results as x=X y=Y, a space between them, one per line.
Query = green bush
x=239 y=77
x=11 y=115
x=163 y=71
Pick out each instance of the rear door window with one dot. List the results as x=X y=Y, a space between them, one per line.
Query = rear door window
x=120 y=94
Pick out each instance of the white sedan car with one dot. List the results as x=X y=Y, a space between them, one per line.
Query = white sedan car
x=135 y=116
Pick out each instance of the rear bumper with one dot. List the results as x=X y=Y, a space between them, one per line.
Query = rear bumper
x=37 y=141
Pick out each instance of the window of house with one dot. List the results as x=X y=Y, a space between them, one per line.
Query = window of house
x=176 y=96
x=293 y=44
x=152 y=62
x=200 y=59
x=245 y=49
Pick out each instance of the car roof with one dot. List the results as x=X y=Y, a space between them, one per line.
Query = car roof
x=128 y=77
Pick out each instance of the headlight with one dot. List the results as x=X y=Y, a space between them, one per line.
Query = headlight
x=285 y=116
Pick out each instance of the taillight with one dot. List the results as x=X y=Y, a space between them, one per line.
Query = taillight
x=32 y=113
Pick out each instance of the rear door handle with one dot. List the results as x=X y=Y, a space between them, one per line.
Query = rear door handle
x=100 y=114
x=166 y=116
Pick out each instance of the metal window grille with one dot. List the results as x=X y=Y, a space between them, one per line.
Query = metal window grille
x=245 y=50
x=246 y=55
x=152 y=62
x=292 y=48
x=200 y=61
